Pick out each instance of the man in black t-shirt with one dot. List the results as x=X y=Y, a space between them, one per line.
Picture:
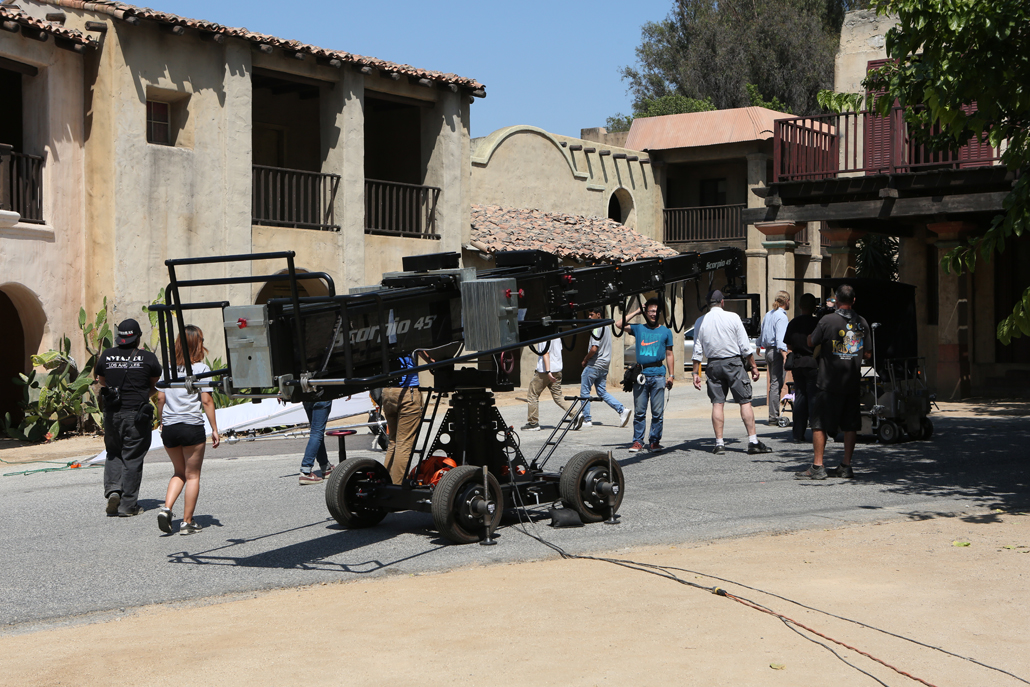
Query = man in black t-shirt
x=840 y=343
x=803 y=368
x=127 y=376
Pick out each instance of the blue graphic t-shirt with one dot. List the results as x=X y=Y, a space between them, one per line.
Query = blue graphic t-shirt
x=651 y=346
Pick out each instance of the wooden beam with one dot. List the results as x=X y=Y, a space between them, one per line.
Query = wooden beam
x=66 y=44
x=888 y=193
x=590 y=150
x=265 y=48
x=395 y=76
x=12 y=26
x=131 y=20
x=174 y=29
x=26 y=69
x=479 y=93
x=645 y=162
x=403 y=100
x=367 y=71
x=425 y=83
x=604 y=153
x=292 y=78
x=57 y=17
x=329 y=62
x=213 y=36
x=297 y=54
x=886 y=209
x=576 y=148
x=453 y=88
x=36 y=34
x=98 y=26
x=632 y=158
x=619 y=156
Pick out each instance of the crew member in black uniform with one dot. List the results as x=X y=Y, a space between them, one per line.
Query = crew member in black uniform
x=127 y=377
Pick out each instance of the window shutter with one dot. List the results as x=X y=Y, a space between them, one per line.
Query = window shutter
x=877 y=130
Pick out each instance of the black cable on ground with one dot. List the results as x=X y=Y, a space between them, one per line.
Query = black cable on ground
x=665 y=571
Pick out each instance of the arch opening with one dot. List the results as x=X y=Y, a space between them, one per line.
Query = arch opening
x=24 y=323
x=620 y=207
x=281 y=289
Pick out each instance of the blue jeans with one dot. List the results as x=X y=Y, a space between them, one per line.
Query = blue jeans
x=652 y=389
x=318 y=415
x=597 y=376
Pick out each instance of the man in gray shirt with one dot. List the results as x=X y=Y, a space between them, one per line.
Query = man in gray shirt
x=595 y=371
x=720 y=337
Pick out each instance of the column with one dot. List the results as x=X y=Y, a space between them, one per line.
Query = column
x=349 y=154
x=779 y=246
x=754 y=253
x=953 y=323
x=842 y=250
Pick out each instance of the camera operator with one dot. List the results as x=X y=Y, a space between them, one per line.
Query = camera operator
x=127 y=377
x=840 y=343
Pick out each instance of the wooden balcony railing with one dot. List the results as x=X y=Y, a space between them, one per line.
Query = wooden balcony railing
x=294 y=198
x=711 y=223
x=848 y=143
x=396 y=209
x=21 y=184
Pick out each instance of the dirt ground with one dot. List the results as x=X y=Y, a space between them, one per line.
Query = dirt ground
x=586 y=622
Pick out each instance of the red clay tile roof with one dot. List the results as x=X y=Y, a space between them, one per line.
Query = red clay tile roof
x=703 y=128
x=54 y=29
x=568 y=236
x=122 y=11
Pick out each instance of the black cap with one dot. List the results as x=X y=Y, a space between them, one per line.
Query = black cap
x=714 y=296
x=128 y=333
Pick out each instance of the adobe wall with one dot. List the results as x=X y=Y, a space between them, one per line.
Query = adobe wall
x=862 y=39
x=527 y=167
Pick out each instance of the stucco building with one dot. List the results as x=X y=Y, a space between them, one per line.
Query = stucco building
x=136 y=136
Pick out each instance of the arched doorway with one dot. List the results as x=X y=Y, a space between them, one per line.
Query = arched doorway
x=24 y=323
x=281 y=289
x=620 y=207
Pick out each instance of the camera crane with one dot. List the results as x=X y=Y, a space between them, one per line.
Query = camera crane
x=305 y=348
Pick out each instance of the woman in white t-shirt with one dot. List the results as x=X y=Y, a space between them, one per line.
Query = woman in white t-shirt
x=182 y=432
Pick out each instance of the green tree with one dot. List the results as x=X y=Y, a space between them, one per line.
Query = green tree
x=877 y=257
x=947 y=56
x=714 y=50
x=669 y=104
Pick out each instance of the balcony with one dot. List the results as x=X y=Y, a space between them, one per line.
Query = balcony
x=396 y=209
x=857 y=143
x=21 y=184
x=294 y=198
x=711 y=223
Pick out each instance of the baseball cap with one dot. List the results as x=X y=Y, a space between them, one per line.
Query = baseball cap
x=715 y=296
x=128 y=333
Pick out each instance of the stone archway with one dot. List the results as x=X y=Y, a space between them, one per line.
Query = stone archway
x=621 y=207
x=24 y=323
x=281 y=289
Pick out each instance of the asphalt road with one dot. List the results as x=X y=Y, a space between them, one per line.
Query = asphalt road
x=65 y=561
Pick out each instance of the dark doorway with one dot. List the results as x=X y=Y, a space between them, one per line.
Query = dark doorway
x=11 y=112
x=393 y=140
x=286 y=122
x=12 y=358
x=1011 y=279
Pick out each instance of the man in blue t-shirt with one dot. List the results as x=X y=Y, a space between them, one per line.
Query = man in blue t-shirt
x=654 y=355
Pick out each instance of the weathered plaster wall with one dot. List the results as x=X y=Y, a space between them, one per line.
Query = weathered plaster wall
x=41 y=266
x=862 y=39
x=527 y=167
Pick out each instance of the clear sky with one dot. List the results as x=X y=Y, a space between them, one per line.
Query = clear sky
x=549 y=64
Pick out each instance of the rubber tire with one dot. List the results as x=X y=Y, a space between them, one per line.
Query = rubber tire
x=927 y=429
x=577 y=494
x=888 y=432
x=341 y=483
x=450 y=522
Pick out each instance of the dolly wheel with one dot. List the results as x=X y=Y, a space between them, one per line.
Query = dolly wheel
x=350 y=486
x=586 y=483
x=887 y=432
x=461 y=507
x=926 y=427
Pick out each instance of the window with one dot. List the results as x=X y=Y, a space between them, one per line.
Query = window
x=713 y=192
x=159 y=122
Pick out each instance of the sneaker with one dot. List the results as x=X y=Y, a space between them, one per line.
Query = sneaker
x=635 y=447
x=531 y=427
x=624 y=417
x=189 y=528
x=656 y=446
x=842 y=470
x=113 y=501
x=719 y=450
x=813 y=472
x=327 y=470
x=309 y=478
x=135 y=510
x=753 y=449
x=164 y=520
x=588 y=423
x=577 y=422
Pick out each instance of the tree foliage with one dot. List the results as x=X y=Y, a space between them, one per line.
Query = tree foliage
x=669 y=104
x=947 y=56
x=709 y=50
x=877 y=257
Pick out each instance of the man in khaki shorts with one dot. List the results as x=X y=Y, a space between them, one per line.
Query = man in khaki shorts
x=720 y=336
